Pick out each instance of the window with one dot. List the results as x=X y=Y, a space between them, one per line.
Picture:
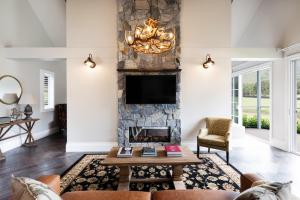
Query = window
x=46 y=91
x=256 y=99
x=235 y=99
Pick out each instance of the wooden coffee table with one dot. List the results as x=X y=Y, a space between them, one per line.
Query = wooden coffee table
x=177 y=163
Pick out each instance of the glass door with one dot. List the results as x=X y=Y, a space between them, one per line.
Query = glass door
x=296 y=134
x=265 y=100
x=250 y=99
x=256 y=103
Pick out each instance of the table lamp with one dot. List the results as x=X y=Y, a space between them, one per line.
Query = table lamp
x=29 y=100
x=10 y=98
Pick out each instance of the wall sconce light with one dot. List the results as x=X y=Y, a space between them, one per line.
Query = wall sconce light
x=90 y=62
x=209 y=62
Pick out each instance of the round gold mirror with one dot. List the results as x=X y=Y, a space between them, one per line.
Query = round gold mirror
x=10 y=90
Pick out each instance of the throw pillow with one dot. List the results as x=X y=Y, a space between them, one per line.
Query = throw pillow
x=29 y=189
x=257 y=183
x=267 y=191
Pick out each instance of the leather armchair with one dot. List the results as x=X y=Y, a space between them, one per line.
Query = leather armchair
x=215 y=135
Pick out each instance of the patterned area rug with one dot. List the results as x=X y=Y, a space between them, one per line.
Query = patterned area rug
x=89 y=174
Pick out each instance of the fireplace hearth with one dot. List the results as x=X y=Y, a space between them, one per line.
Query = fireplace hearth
x=149 y=134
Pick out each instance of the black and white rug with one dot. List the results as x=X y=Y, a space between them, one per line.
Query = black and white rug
x=88 y=174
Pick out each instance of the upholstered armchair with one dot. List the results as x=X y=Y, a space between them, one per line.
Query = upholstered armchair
x=215 y=135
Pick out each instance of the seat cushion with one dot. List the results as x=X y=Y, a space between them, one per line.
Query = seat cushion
x=106 y=195
x=218 y=126
x=194 y=195
x=214 y=140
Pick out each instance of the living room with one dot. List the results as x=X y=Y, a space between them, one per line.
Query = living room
x=81 y=78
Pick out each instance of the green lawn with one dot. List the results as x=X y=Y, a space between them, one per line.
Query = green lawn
x=249 y=107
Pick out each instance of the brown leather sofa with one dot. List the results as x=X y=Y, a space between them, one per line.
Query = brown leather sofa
x=54 y=182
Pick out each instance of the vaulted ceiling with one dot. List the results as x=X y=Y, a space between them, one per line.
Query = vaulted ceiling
x=255 y=23
x=32 y=23
x=265 y=23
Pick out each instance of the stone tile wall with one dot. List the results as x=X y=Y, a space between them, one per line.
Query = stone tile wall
x=130 y=14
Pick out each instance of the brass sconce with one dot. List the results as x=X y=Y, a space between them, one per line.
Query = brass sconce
x=90 y=62
x=209 y=62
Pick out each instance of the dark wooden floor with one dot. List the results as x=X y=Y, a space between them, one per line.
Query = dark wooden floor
x=49 y=157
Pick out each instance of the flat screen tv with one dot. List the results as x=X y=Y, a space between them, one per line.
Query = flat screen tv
x=151 y=89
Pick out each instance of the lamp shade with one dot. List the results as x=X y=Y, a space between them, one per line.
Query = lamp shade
x=10 y=98
x=28 y=99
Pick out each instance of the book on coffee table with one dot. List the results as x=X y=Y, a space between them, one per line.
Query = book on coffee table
x=125 y=152
x=173 y=151
x=149 y=152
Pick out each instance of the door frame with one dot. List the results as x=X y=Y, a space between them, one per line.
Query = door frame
x=292 y=121
x=268 y=65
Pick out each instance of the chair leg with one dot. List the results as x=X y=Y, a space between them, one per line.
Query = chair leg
x=198 y=150
x=227 y=157
x=208 y=150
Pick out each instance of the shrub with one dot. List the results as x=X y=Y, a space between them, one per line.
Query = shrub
x=298 y=128
x=251 y=122
x=245 y=120
x=265 y=124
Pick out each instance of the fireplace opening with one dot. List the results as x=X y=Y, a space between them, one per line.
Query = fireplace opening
x=149 y=134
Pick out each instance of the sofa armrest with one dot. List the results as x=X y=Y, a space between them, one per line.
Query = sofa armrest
x=203 y=132
x=247 y=180
x=53 y=181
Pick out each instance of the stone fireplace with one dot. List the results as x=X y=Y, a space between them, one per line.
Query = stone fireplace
x=148 y=116
x=149 y=135
x=158 y=123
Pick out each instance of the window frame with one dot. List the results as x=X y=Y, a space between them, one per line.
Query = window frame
x=51 y=91
x=239 y=99
x=257 y=69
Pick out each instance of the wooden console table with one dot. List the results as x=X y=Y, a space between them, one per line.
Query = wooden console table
x=29 y=123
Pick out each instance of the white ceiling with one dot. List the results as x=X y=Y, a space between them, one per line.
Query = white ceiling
x=52 y=15
x=255 y=23
x=32 y=23
x=265 y=23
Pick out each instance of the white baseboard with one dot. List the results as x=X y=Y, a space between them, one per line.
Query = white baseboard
x=279 y=144
x=15 y=142
x=190 y=144
x=89 y=146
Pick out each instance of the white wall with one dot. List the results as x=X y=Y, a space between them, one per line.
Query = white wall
x=280 y=111
x=204 y=92
x=28 y=73
x=92 y=93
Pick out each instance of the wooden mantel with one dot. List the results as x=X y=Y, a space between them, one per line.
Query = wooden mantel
x=150 y=70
